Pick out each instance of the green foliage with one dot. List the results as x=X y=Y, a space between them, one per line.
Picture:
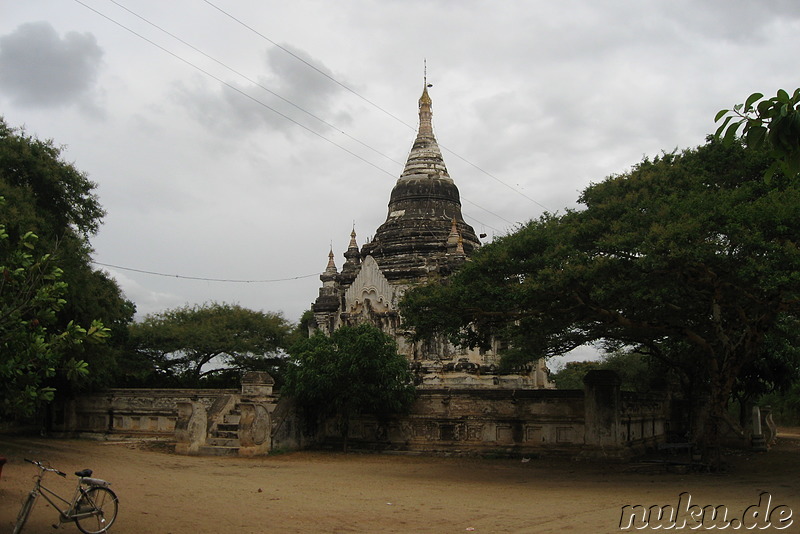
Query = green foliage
x=31 y=352
x=356 y=370
x=774 y=122
x=50 y=198
x=692 y=257
x=186 y=346
x=637 y=372
x=571 y=376
x=785 y=405
x=776 y=369
x=63 y=195
x=304 y=326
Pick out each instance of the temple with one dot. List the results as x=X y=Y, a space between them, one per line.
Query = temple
x=423 y=238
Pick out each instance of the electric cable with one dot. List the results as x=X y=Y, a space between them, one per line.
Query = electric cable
x=334 y=80
x=236 y=89
x=271 y=92
x=228 y=280
x=255 y=82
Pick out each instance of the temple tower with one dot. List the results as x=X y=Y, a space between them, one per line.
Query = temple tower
x=423 y=238
x=423 y=206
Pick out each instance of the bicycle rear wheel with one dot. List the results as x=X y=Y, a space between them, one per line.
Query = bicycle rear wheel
x=24 y=512
x=103 y=503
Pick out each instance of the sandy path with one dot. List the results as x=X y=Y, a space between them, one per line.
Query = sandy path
x=163 y=493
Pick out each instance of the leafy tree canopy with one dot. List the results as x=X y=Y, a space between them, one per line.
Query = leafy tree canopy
x=772 y=122
x=51 y=199
x=571 y=375
x=637 y=371
x=693 y=256
x=31 y=351
x=184 y=345
x=356 y=370
x=34 y=172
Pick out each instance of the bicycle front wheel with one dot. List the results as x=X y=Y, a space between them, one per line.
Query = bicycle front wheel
x=102 y=503
x=24 y=512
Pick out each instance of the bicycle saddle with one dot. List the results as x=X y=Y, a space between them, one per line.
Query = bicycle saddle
x=84 y=473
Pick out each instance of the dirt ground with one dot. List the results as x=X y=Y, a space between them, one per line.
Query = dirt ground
x=164 y=493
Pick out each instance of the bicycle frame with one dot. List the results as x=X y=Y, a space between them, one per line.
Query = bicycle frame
x=69 y=513
x=93 y=508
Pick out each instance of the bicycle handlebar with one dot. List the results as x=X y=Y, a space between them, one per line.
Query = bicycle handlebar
x=44 y=467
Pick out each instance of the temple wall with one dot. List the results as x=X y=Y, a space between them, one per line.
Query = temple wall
x=598 y=421
x=128 y=412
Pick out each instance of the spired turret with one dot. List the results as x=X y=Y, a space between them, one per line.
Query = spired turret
x=327 y=302
x=423 y=207
x=424 y=237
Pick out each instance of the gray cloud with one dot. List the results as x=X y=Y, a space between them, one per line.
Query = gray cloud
x=39 y=68
x=244 y=105
x=546 y=96
x=309 y=88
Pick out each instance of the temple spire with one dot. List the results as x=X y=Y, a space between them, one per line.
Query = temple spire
x=424 y=221
x=353 y=243
x=425 y=111
x=425 y=158
x=331 y=267
x=352 y=255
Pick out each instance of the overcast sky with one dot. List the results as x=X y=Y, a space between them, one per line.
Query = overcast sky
x=241 y=140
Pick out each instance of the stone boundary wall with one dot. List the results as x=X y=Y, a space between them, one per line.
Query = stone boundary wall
x=123 y=412
x=596 y=421
x=599 y=421
x=644 y=418
x=473 y=421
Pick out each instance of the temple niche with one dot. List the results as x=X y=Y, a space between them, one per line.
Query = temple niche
x=424 y=238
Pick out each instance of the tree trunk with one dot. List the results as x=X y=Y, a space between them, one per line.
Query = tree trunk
x=711 y=436
x=710 y=441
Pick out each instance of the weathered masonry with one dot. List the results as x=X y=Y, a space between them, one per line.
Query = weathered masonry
x=599 y=421
x=245 y=422
x=424 y=238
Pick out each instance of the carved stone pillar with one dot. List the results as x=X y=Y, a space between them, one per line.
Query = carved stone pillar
x=255 y=428
x=602 y=409
x=190 y=427
x=768 y=426
x=758 y=442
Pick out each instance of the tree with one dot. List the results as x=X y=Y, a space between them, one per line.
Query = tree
x=571 y=376
x=189 y=345
x=775 y=370
x=52 y=199
x=356 y=370
x=31 y=292
x=34 y=171
x=637 y=371
x=774 y=122
x=691 y=257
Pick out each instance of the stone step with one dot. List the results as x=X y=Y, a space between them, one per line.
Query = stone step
x=227 y=434
x=228 y=427
x=222 y=442
x=231 y=419
x=211 y=450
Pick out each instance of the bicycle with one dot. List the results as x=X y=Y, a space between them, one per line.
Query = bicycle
x=93 y=508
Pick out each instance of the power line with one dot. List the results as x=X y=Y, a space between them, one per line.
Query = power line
x=255 y=82
x=275 y=94
x=204 y=279
x=497 y=179
x=334 y=80
x=298 y=58
x=229 y=86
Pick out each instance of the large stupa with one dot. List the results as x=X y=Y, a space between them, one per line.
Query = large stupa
x=424 y=238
